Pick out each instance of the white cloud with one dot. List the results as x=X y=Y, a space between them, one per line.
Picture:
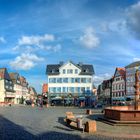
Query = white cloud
x=25 y=61
x=2 y=40
x=98 y=79
x=31 y=44
x=89 y=39
x=133 y=19
x=35 y=40
x=136 y=59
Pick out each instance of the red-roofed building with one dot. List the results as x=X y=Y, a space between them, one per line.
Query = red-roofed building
x=119 y=84
x=45 y=88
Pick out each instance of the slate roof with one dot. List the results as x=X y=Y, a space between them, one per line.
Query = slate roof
x=53 y=69
x=14 y=77
x=23 y=81
x=4 y=74
x=86 y=69
x=134 y=64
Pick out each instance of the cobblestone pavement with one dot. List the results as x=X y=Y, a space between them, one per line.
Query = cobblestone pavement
x=25 y=122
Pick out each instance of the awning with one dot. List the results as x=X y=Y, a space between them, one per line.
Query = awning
x=57 y=98
x=81 y=98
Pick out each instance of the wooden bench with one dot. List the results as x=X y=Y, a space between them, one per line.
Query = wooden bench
x=70 y=118
x=73 y=121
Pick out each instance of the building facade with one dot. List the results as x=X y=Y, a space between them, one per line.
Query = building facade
x=118 y=84
x=130 y=78
x=44 y=89
x=25 y=89
x=17 y=87
x=6 y=87
x=70 y=79
x=32 y=94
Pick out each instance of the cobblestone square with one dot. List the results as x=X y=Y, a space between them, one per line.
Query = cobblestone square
x=25 y=122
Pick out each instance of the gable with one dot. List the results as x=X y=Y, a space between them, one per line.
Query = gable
x=69 y=65
x=117 y=74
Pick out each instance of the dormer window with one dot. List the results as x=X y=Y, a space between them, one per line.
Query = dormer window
x=53 y=71
x=87 y=70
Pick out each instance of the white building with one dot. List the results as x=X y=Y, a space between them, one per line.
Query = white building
x=17 y=86
x=70 y=79
x=25 y=88
x=6 y=87
x=130 y=78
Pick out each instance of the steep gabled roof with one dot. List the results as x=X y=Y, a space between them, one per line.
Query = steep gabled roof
x=23 y=81
x=86 y=69
x=14 y=77
x=33 y=90
x=4 y=74
x=134 y=64
x=121 y=71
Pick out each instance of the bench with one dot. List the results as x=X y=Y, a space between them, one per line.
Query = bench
x=70 y=118
x=74 y=121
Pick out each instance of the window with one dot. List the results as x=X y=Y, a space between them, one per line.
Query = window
x=59 y=80
x=64 y=89
x=52 y=80
x=53 y=71
x=72 y=80
x=69 y=71
x=64 y=71
x=54 y=90
x=71 y=89
x=79 y=89
x=88 y=89
x=65 y=80
x=58 y=89
x=76 y=71
x=83 y=80
x=77 y=80
x=119 y=86
x=83 y=89
x=88 y=80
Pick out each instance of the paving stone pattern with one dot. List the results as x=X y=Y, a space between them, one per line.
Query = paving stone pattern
x=27 y=123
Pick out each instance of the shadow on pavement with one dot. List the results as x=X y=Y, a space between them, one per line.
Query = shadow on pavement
x=12 y=131
x=95 y=116
x=59 y=136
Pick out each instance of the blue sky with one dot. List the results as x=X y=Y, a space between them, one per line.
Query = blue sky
x=34 y=33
